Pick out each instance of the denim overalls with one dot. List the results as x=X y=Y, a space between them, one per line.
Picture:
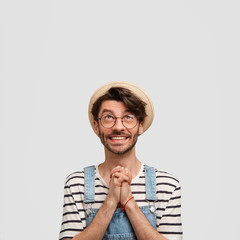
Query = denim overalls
x=120 y=227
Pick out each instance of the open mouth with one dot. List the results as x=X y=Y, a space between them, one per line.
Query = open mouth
x=118 y=138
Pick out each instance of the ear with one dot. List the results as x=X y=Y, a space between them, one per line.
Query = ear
x=96 y=127
x=140 y=130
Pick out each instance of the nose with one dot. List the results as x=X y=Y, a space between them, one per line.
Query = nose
x=118 y=125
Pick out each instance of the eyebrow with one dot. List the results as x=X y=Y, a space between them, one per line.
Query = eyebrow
x=105 y=110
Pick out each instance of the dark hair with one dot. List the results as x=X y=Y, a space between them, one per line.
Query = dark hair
x=134 y=104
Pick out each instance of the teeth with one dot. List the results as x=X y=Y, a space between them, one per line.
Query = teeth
x=118 y=138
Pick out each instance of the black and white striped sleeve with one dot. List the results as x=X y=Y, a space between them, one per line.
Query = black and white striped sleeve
x=71 y=219
x=170 y=224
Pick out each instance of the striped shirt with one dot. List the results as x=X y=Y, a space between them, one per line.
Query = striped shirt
x=168 y=204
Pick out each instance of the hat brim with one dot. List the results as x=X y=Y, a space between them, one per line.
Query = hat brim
x=135 y=90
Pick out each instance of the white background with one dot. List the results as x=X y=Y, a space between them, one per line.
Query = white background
x=55 y=54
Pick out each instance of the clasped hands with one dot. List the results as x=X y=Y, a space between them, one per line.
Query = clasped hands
x=119 y=187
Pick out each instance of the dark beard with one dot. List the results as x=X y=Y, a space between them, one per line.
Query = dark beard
x=135 y=138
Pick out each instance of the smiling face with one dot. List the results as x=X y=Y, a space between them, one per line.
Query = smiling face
x=118 y=139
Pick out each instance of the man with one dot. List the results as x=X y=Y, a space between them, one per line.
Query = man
x=121 y=198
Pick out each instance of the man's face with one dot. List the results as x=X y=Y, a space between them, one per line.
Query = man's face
x=118 y=139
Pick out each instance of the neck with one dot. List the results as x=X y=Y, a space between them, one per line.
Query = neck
x=127 y=160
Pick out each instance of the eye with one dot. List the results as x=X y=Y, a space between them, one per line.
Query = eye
x=108 y=117
x=129 y=117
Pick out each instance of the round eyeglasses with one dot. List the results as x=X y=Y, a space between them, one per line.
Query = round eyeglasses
x=108 y=121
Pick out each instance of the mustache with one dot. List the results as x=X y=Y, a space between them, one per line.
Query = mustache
x=118 y=134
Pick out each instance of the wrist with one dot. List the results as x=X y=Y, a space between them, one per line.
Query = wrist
x=127 y=202
x=111 y=203
x=130 y=205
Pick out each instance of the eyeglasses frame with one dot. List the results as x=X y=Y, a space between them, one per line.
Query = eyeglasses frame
x=115 y=120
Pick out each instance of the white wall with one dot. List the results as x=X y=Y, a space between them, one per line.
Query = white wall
x=54 y=54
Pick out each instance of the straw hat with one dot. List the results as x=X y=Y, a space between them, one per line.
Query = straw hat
x=135 y=90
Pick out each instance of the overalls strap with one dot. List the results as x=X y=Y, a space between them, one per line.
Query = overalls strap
x=89 y=181
x=150 y=177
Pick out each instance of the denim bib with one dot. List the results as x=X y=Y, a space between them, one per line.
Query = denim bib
x=120 y=226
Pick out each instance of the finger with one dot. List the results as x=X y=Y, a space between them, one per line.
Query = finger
x=123 y=178
x=125 y=171
x=127 y=178
x=120 y=169
x=116 y=169
x=128 y=173
x=116 y=175
x=116 y=182
x=113 y=174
